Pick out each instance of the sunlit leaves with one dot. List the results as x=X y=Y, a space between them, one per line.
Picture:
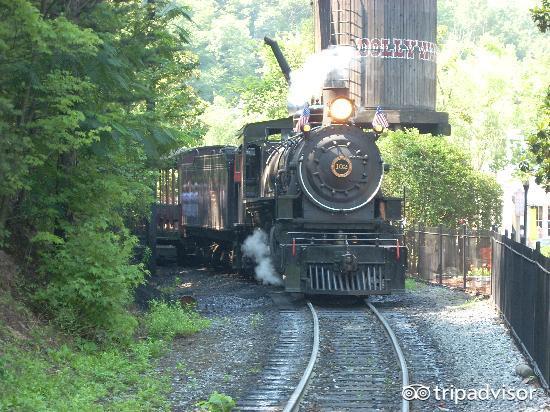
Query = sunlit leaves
x=440 y=184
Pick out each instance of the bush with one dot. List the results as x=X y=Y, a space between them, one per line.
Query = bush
x=441 y=185
x=89 y=282
x=218 y=402
x=168 y=320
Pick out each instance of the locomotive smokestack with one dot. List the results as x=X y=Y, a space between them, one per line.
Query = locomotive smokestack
x=283 y=64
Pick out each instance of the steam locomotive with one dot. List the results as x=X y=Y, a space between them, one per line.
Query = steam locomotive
x=314 y=189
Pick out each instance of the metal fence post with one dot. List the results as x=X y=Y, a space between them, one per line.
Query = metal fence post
x=440 y=267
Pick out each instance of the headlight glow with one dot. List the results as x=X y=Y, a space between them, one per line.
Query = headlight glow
x=341 y=109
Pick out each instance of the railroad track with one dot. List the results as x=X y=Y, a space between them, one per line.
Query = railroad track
x=355 y=363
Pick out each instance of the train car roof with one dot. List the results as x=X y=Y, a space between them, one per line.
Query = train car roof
x=174 y=157
x=262 y=130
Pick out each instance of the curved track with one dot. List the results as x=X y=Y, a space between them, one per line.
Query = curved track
x=355 y=363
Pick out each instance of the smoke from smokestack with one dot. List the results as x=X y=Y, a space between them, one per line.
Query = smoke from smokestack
x=255 y=247
x=328 y=65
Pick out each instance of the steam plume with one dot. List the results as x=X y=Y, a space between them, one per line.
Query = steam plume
x=308 y=81
x=255 y=247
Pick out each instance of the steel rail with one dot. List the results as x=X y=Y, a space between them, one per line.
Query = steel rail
x=294 y=400
x=398 y=351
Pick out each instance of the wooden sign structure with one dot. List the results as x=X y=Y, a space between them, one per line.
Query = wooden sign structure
x=395 y=64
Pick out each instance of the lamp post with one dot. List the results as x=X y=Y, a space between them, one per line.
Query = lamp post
x=525 y=189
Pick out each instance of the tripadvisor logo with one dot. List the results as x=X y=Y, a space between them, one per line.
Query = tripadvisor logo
x=456 y=395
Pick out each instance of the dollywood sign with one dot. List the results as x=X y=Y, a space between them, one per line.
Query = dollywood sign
x=396 y=48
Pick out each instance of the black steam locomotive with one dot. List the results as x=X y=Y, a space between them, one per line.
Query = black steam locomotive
x=314 y=192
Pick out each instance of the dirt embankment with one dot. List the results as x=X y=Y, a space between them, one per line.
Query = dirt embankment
x=16 y=321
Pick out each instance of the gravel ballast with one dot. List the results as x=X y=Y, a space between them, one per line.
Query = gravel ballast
x=450 y=340
x=471 y=347
x=229 y=356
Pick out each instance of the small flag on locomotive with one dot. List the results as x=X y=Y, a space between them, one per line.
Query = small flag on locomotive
x=379 y=122
x=303 y=120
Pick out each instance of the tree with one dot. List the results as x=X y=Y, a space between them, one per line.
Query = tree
x=541 y=15
x=490 y=74
x=489 y=94
x=259 y=97
x=266 y=96
x=228 y=36
x=92 y=93
x=539 y=146
x=537 y=161
x=440 y=184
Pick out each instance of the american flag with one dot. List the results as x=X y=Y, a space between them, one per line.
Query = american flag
x=304 y=119
x=380 y=119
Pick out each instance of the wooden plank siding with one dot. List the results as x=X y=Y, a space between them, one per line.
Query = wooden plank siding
x=392 y=83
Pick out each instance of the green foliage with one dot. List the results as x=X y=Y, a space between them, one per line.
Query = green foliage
x=479 y=271
x=507 y=20
x=92 y=94
x=45 y=371
x=537 y=160
x=492 y=68
x=541 y=15
x=217 y=402
x=545 y=251
x=257 y=97
x=411 y=284
x=224 y=120
x=38 y=378
x=228 y=38
x=89 y=281
x=168 y=320
x=504 y=89
x=239 y=75
x=441 y=185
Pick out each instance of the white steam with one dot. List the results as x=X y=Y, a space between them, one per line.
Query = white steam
x=255 y=247
x=309 y=80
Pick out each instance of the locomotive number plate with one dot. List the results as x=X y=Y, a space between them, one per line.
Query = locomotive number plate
x=341 y=166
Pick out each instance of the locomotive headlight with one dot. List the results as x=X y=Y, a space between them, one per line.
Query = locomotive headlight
x=341 y=109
